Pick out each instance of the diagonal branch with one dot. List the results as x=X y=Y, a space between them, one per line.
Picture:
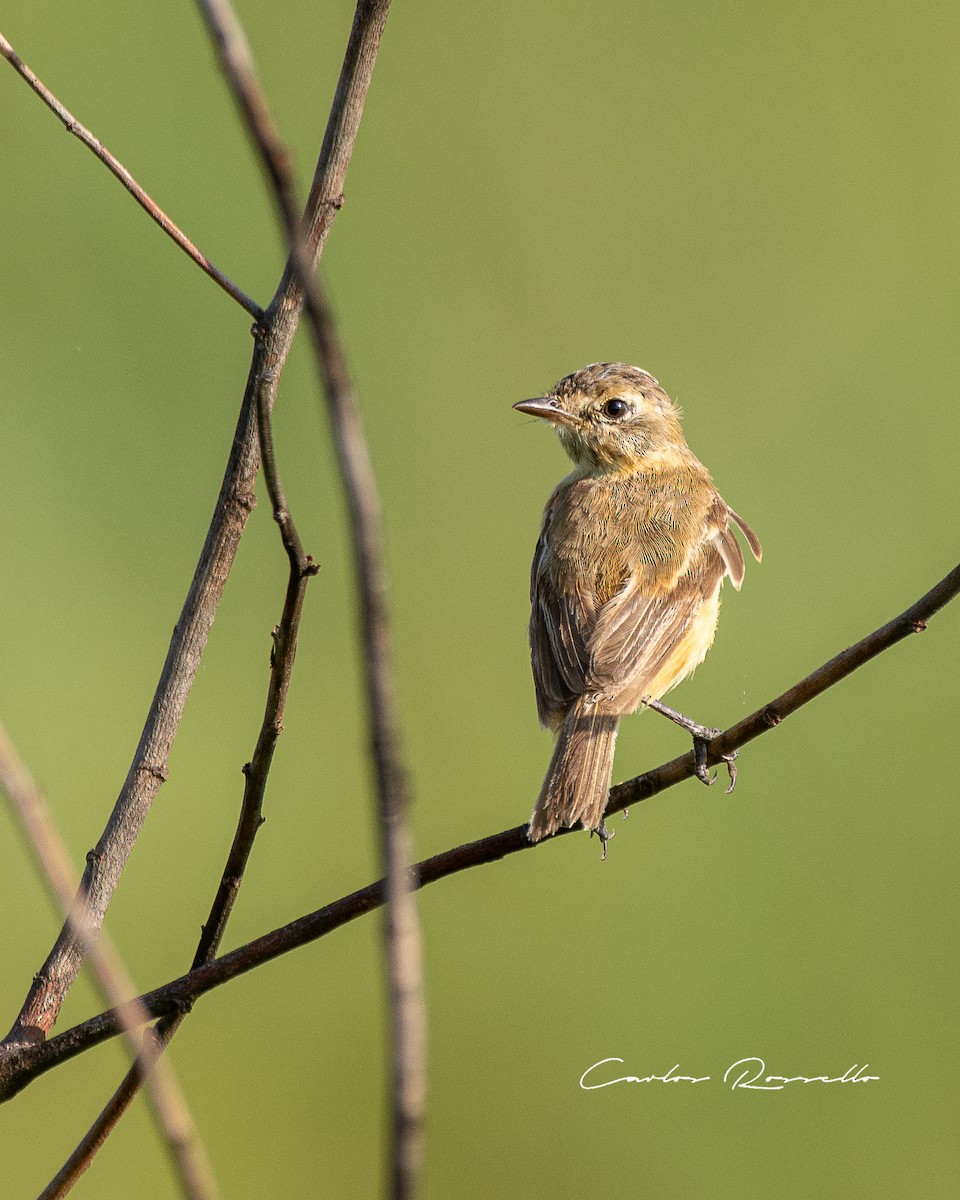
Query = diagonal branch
x=236 y=62
x=181 y=993
x=53 y=864
x=404 y=954
x=274 y=336
x=403 y=948
x=283 y=654
x=112 y=164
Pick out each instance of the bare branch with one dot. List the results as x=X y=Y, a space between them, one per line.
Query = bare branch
x=52 y=861
x=283 y=654
x=236 y=500
x=407 y=1013
x=183 y=992
x=236 y=61
x=120 y=171
x=401 y=927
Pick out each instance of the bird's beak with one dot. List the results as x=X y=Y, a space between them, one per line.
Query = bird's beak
x=547 y=407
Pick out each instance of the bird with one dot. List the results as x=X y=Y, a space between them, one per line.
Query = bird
x=625 y=583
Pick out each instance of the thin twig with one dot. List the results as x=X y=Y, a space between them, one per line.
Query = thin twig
x=403 y=943
x=403 y=948
x=183 y=992
x=170 y=1111
x=149 y=206
x=283 y=654
x=236 y=499
x=236 y=62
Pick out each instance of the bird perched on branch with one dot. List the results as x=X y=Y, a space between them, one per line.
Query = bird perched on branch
x=625 y=584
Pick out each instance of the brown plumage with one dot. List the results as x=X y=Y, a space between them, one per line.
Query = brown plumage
x=625 y=585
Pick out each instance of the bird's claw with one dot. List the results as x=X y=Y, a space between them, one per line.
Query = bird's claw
x=701 y=740
x=604 y=834
x=700 y=762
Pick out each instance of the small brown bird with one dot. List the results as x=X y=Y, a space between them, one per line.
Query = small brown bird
x=625 y=584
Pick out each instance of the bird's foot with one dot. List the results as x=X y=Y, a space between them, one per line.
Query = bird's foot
x=604 y=834
x=702 y=735
x=701 y=740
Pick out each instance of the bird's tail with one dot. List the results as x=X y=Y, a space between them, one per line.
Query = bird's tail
x=578 y=778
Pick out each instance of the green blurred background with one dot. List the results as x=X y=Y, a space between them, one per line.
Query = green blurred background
x=756 y=202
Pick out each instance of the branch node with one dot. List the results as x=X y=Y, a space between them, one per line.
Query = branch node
x=246 y=769
x=771 y=717
x=243 y=498
x=157 y=770
x=27 y=1036
x=918 y=626
x=646 y=787
x=310 y=567
x=274 y=646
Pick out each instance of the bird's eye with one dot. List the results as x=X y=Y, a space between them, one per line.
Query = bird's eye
x=615 y=408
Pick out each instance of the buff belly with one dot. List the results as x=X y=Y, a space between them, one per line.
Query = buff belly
x=686 y=654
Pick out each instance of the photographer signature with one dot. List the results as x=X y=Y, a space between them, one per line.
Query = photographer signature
x=746 y=1074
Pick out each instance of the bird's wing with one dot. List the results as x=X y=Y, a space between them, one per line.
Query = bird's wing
x=562 y=613
x=752 y=540
x=655 y=630
x=728 y=545
x=659 y=626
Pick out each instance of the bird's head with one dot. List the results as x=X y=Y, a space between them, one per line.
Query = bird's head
x=611 y=417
